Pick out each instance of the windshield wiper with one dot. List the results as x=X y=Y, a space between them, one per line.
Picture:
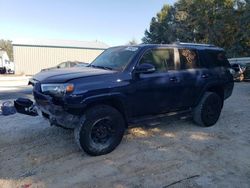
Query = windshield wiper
x=101 y=67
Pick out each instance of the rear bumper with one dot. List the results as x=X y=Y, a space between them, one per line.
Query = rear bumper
x=228 y=90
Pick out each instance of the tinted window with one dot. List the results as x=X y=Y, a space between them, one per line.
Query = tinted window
x=215 y=59
x=162 y=59
x=72 y=64
x=188 y=59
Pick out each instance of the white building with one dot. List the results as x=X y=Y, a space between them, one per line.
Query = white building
x=30 y=56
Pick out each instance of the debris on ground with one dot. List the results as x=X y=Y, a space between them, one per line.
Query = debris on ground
x=7 y=108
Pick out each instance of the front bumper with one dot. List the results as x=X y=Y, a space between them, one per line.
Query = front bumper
x=57 y=114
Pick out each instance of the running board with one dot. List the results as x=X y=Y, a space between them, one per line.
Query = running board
x=153 y=117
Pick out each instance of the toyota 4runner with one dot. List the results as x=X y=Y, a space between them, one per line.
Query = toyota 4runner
x=127 y=83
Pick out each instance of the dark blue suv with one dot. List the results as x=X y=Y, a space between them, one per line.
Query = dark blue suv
x=128 y=83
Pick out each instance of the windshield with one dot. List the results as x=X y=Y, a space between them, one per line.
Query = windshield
x=116 y=58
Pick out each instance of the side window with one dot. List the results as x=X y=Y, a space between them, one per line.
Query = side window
x=188 y=59
x=162 y=59
x=222 y=60
x=72 y=64
x=63 y=65
x=215 y=59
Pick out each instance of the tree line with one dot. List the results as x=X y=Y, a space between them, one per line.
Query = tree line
x=6 y=45
x=225 y=23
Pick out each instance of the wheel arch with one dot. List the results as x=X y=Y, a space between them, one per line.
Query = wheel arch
x=218 y=89
x=115 y=100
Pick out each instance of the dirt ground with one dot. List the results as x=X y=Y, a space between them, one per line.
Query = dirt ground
x=171 y=152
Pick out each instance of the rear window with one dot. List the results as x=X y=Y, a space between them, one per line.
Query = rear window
x=215 y=59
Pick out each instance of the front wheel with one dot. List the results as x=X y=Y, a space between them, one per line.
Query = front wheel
x=101 y=130
x=207 y=112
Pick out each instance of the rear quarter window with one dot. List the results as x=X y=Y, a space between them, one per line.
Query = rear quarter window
x=213 y=58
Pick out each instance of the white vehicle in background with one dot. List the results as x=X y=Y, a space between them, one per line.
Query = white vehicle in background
x=10 y=67
x=241 y=67
x=6 y=66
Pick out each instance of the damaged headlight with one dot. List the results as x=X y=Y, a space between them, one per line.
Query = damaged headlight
x=57 y=89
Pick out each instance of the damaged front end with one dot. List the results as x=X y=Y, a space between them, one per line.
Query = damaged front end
x=56 y=115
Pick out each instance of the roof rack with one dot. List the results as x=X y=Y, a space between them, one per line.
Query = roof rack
x=194 y=44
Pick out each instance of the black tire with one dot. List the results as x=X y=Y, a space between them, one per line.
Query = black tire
x=207 y=112
x=2 y=70
x=101 y=130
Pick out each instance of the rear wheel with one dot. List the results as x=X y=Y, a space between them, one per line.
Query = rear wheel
x=207 y=112
x=101 y=131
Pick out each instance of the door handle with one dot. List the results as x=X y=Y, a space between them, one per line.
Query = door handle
x=205 y=75
x=173 y=79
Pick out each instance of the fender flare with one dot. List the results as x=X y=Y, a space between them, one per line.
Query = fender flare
x=205 y=89
x=113 y=96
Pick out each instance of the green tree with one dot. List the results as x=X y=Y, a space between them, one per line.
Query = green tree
x=161 y=26
x=6 y=45
x=221 y=22
x=132 y=42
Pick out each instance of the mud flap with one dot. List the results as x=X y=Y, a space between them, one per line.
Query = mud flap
x=25 y=106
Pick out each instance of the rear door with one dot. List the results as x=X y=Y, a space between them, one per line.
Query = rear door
x=217 y=65
x=189 y=74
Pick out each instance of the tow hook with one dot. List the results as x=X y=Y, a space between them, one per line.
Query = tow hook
x=25 y=106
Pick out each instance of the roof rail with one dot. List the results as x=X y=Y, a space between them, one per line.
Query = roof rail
x=194 y=44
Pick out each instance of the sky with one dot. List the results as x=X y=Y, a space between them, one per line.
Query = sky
x=113 y=22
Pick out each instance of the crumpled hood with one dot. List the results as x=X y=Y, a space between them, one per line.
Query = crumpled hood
x=66 y=74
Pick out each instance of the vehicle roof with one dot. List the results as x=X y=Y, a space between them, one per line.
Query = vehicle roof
x=180 y=45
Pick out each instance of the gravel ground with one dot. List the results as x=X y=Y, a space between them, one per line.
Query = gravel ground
x=170 y=152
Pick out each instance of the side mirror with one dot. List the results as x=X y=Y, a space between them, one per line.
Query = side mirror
x=145 y=68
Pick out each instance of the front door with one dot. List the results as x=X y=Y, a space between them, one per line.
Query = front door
x=156 y=92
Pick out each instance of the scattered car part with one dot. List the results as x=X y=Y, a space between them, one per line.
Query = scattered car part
x=25 y=106
x=8 y=108
x=239 y=72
